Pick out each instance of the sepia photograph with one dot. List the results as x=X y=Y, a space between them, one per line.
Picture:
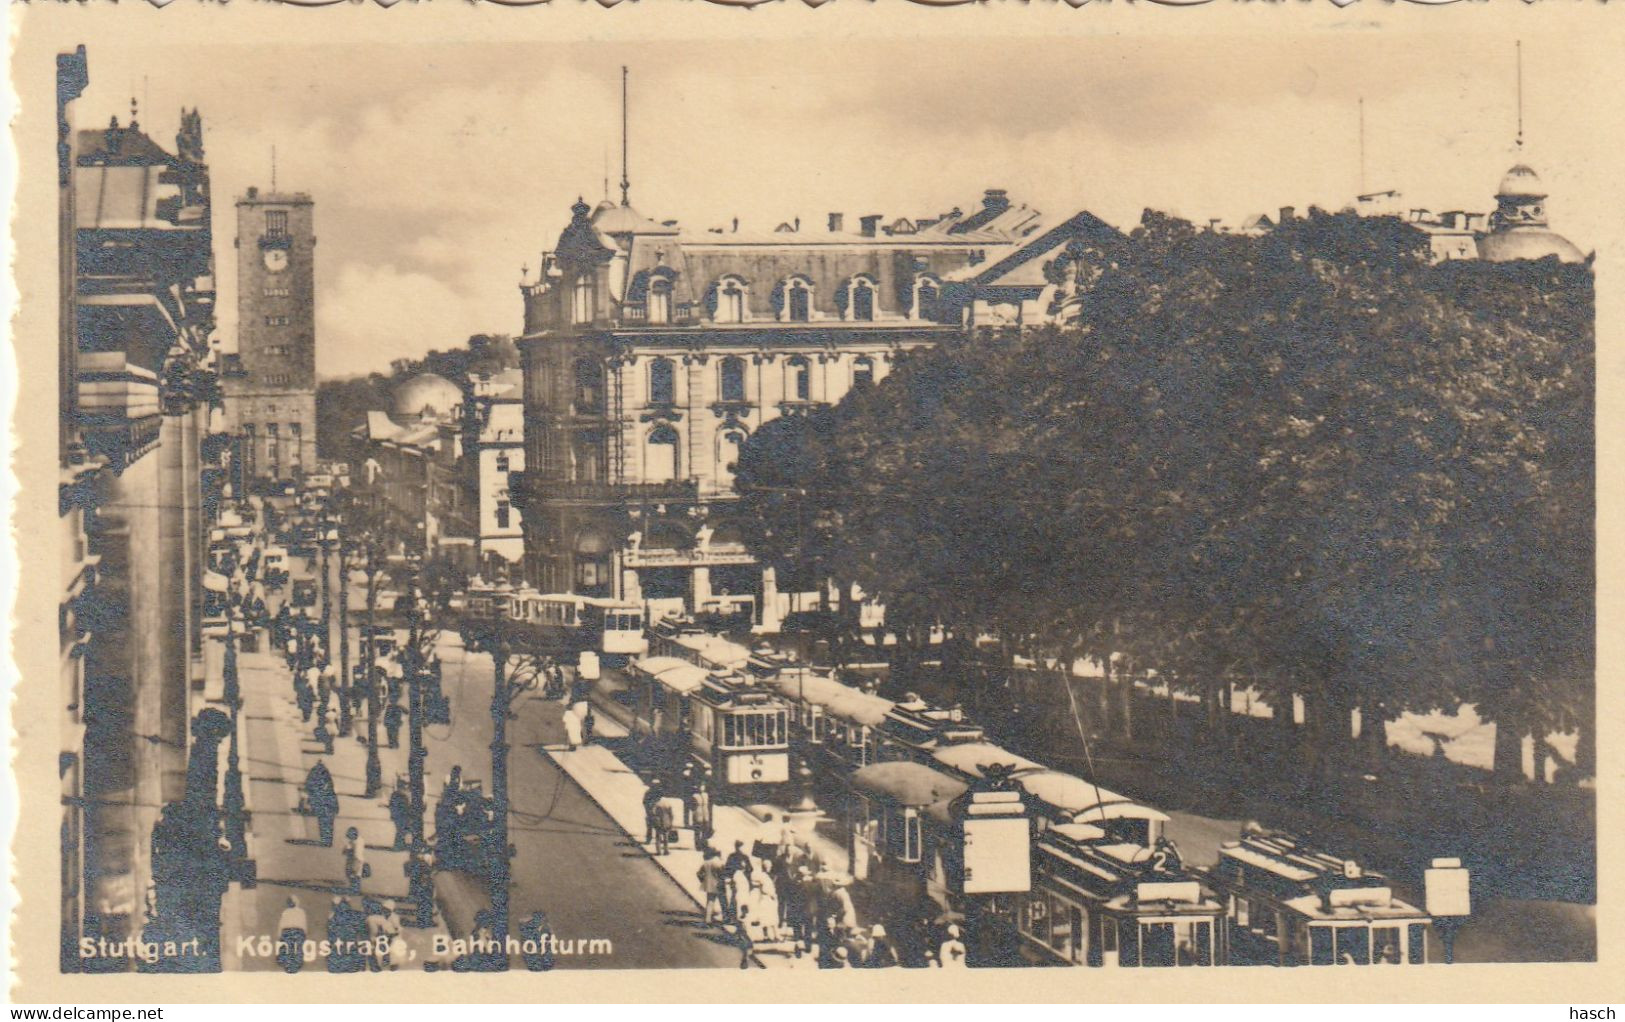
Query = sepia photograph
x=711 y=500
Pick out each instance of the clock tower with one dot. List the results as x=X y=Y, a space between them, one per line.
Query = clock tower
x=271 y=387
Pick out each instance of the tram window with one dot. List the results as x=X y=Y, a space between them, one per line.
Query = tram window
x=1157 y=944
x=1202 y=932
x=1385 y=945
x=1320 y=946
x=728 y=730
x=1075 y=921
x=1241 y=910
x=911 y=837
x=1129 y=932
x=1353 y=945
x=1418 y=944
x=1060 y=929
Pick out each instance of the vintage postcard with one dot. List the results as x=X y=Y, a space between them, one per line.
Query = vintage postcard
x=670 y=501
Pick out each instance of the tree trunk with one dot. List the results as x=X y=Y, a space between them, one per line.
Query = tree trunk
x=1585 y=749
x=1509 y=732
x=1125 y=693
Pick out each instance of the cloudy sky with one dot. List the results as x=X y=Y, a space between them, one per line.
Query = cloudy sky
x=438 y=171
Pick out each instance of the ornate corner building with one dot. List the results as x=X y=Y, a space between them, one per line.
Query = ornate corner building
x=650 y=354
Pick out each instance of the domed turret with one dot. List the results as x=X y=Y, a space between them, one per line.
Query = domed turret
x=426 y=395
x=1518 y=227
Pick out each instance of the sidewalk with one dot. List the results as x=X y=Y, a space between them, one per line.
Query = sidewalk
x=619 y=791
x=277 y=751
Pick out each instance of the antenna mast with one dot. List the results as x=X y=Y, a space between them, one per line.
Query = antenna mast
x=1520 y=95
x=273 y=167
x=626 y=185
x=1362 y=145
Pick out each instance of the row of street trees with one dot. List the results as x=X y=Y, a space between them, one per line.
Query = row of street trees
x=1311 y=462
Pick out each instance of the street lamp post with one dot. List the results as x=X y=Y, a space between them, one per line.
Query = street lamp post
x=421 y=880
x=329 y=543
x=369 y=648
x=236 y=812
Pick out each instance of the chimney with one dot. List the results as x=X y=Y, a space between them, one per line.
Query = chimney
x=995 y=200
x=798 y=223
x=736 y=225
x=869 y=223
x=253 y=193
x=1287 y=213
x=836 y=221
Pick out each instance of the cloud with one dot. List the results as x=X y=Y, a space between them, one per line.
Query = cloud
x=369 y=316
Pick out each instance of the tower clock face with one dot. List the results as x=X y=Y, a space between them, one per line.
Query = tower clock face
x=276 y=259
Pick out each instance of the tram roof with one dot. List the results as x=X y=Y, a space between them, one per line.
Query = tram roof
x=720 y=651
x=674 y=673
x=837 y=699
x=908 y=783
x=1082 y=800
x=975 y=757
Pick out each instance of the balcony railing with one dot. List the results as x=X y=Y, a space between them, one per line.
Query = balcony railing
x=525 y=489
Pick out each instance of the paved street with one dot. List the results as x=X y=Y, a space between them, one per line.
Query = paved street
x=572 y=861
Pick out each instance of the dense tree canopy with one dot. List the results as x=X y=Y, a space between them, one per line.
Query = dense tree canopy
x=1309 y=459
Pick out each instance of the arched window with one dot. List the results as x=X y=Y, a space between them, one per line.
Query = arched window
x=798 y=381
x=660 y=463
x=733 y=379
x=926 y=293
x=660 y=300
x=863 y=372
x=589 y=397
x=581 y=299
x=797 y=301
x=592 y=563
x=862 y=300
x=586 y=454
x=730 y=300
x=662 y=382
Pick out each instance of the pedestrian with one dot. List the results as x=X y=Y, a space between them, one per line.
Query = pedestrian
x=321 y=800
x=766 y=906
x=710 y=877
x=307 y=701
x=400 y=814
x=322 y=734
x=392 y=724
x=651 y=798
x=346 y=928
x=742 y=937
x=951 y=952
x=355 y=860
x=881 y=955
x=689 y=786
x=588 y=722
x=572 y=729
x=420 y=887
x=292 y=929
x=664 y=827
x=702 y=812
x=384 y=930
x=536 y=937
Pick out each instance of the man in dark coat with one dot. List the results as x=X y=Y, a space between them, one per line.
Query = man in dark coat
x=322 y=800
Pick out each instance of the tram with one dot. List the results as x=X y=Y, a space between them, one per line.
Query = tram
x=1291 y=905
x=914 y=729
x=831 y=721
x=686 y=641
x=605 y=626
x=738 y=729
x=1099 y=901
x=563 y=621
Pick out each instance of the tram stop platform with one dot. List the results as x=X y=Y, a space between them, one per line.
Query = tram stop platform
x=619 y=791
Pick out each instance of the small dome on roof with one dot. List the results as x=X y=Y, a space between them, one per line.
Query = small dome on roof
x=1521 y=182
x=602 y=207
x=426 y=394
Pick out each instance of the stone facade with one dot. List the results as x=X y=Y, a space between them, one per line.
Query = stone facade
x=137 y=309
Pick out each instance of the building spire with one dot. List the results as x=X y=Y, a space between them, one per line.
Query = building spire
x=626 y=184
x=1362 y=145
x=1520 y=95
